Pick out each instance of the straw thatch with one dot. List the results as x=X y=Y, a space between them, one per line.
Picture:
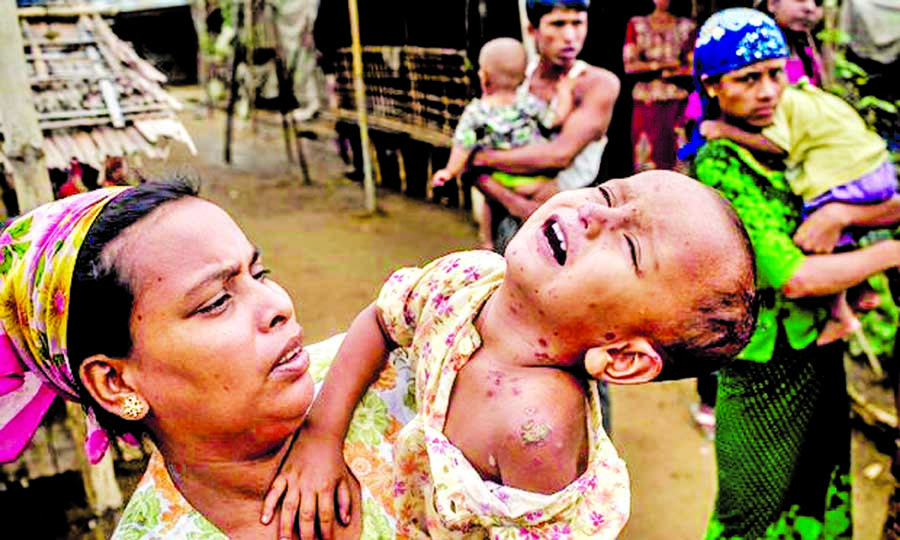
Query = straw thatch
x=94 y=96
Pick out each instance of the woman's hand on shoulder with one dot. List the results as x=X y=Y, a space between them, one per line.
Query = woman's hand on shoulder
x=315 y=480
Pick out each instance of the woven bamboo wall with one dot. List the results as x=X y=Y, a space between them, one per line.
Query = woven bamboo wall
x=421 y=91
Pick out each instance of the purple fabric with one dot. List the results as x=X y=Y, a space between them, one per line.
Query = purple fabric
x=875 y=187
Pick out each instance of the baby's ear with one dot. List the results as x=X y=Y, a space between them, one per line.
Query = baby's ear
x=631 y=361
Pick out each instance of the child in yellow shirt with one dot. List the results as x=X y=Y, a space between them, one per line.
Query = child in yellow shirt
x=837 y=165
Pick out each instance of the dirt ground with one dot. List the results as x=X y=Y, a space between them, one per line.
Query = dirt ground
x=332 y=258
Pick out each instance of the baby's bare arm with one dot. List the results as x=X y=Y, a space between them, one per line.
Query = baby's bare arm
x=313 y=475
x=543 y=441
x=719 y=129
x=457 y=160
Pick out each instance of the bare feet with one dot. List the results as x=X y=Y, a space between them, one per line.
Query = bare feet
x=867 y=300
x=835 y=330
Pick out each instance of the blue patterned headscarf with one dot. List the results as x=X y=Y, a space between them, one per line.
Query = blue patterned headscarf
x=730 y=40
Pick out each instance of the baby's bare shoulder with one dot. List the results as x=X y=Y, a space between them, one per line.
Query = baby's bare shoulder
x=542 y=437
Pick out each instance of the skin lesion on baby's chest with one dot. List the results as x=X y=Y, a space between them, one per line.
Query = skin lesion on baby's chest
x=478 y=412
x=488 y=406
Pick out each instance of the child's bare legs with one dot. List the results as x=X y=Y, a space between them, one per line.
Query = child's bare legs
x=842 y=322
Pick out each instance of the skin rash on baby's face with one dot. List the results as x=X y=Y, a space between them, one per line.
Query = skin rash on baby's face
x=624 y=259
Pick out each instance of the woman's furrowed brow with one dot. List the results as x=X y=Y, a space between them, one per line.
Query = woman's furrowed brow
x=222 y=274
x=217 y=275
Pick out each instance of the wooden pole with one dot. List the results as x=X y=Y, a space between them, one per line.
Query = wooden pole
x=22 y=132
x=236 y=56
x=100 y=486
x=285 y=87
x=361 y=111
x=198 y=14
x=250 y=41
x=527 y=40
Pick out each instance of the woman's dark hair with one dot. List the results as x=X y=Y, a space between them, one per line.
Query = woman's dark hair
x=712 y=107
x=797 y=42
x=101 y=300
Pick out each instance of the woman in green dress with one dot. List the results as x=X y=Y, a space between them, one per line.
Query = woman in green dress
x=782 y=415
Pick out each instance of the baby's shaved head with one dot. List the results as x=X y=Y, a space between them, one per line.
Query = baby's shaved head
x=504 y=60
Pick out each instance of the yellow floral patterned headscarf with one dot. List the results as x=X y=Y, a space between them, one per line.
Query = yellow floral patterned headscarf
x=37 y=261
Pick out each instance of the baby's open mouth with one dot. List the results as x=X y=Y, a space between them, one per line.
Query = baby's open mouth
x=556 y=239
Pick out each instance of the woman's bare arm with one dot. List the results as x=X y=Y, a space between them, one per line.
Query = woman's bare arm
x=516 y=204
x=821 y=275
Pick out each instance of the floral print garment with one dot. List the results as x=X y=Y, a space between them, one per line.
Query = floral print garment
x=438 y=494
x=157 y=510
x=666 y=44
x=502 y=127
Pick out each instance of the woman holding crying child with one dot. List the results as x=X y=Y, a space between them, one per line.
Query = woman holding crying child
x=782 y=414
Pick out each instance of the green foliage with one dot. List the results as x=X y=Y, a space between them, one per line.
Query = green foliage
x=879 y=325
x=851 y=83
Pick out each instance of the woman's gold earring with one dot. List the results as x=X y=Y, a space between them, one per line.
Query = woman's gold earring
x=133 y=408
